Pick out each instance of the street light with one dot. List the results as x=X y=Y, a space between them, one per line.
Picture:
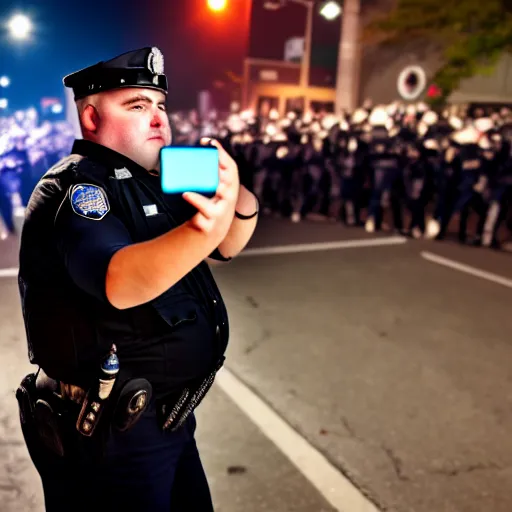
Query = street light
x=4 y=81
x=3 y=103
x=348 y=72
x=57 y=108
x=217 y=5
x=330 y=10
x=20 y=26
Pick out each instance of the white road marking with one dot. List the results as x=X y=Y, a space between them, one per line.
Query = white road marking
x=291 y=249
x=9 y=272
x=328 y=480
x=495 y=278
x=323 y=246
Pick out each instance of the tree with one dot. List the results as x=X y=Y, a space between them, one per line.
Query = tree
x=470 y=35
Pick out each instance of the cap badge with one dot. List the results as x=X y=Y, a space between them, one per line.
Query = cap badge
x=155 y=62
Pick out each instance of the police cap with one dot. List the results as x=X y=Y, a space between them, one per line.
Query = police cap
x=138 y=68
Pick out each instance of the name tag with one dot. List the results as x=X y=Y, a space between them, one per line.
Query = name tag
x=150 y=210
x=122 y=174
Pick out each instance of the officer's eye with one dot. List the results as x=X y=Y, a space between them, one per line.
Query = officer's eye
x=137 y=107
x=162 y=108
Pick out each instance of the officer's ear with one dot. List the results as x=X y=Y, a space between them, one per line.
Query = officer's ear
x=90 y=118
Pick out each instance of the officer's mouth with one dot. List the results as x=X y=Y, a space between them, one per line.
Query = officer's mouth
x=157 y=137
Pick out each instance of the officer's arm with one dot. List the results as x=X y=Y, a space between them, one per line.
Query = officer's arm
x=102 y=259
x=141 y=272
x=241 y=230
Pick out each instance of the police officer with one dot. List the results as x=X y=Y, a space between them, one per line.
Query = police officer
x=386 y=174
x=473 y=179
x=500 y=191
x=122 y=314
x=417 y=172
x=447 y=179
x=6 y=193
x=351 y=168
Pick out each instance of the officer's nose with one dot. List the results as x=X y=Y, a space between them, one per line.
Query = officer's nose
x=156 y=120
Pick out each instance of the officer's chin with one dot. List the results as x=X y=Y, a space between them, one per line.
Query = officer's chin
x=156 y=166
x=150 y=164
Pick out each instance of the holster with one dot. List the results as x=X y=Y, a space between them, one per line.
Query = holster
x=51 y=420
x=41 y=410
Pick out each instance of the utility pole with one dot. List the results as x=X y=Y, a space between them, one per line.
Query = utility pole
x=308 y=37
x=349 y=57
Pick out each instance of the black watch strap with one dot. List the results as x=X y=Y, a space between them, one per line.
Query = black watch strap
x=247 y=217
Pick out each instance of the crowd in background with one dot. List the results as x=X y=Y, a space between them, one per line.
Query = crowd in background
x=400 y=167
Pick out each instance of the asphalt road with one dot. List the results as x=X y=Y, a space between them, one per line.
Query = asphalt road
x=391 y=363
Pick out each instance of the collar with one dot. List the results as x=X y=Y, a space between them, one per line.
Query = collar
x=106 y=156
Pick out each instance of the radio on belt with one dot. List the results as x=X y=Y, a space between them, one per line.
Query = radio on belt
x=96 y=398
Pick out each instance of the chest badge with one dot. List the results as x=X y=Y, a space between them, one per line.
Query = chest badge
x=89 y=201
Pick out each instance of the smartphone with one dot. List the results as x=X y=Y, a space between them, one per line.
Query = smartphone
x=189 y=169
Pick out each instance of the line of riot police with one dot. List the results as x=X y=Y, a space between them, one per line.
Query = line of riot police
x=407 y=162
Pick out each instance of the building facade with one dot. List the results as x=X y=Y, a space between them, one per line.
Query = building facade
x=276 y=84
x=273 y=84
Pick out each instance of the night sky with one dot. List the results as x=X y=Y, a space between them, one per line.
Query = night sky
x=199 y=46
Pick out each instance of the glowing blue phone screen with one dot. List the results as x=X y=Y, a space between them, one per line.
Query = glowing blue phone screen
x=189 y=169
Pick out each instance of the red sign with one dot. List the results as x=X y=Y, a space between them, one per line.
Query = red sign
x=434 y=91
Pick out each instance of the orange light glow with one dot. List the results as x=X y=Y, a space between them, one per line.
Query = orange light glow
x=217 y=5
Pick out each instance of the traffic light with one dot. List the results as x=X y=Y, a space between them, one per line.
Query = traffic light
x=217 y=5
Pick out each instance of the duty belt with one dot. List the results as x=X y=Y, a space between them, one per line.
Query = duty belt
x=174 y=410
x=64 y=416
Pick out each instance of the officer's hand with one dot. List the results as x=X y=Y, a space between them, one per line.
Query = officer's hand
x=215 y=215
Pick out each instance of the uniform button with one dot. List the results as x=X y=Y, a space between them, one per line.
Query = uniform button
x=217 y=330
x=91 y=417
x=95 y=406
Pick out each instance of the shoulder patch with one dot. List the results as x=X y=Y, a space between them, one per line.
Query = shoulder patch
x=89 y=201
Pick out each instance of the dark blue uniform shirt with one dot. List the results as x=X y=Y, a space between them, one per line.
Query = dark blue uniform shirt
x=65 y=254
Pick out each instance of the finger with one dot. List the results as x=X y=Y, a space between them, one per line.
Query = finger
x=202 y=203
x=226 y=177
x=222 y=190
x=228 y=169
x=201 y=223
x=225 y=160
x=205 y=141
